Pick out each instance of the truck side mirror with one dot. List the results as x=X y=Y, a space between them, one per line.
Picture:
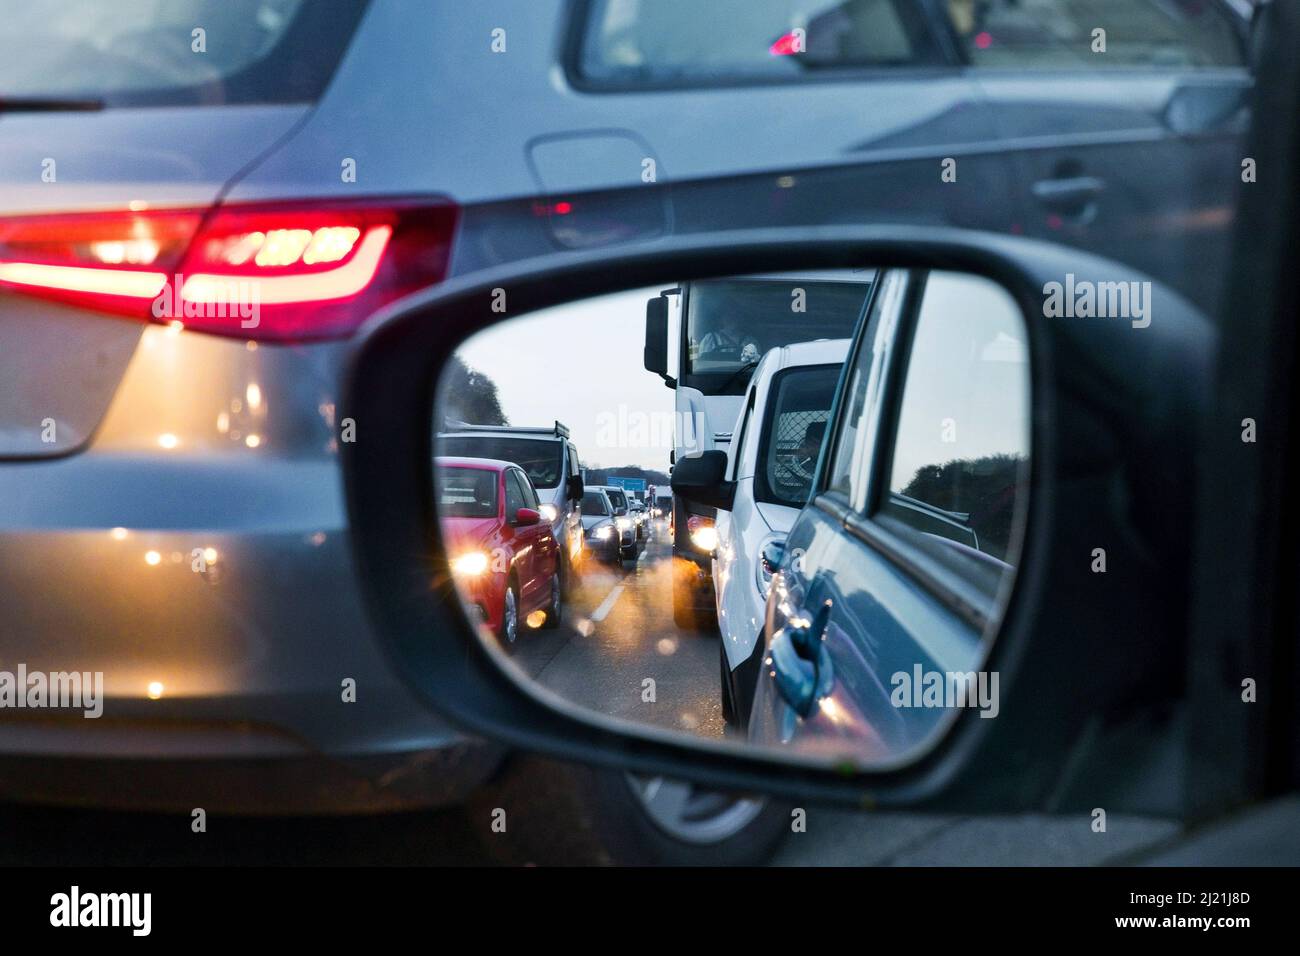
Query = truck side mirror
x=655 y=355
x=575 y=488
x=703 y=479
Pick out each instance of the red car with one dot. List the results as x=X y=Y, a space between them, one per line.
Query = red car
x=503 y=556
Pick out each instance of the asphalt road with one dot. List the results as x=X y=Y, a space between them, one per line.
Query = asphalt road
x=620 y=654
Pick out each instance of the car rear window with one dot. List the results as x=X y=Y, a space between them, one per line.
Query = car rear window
x=466 y=492
x=658 y=42
x=540 y=458
x=173 y=52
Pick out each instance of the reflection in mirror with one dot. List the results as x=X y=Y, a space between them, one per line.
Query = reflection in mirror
x=782 y=511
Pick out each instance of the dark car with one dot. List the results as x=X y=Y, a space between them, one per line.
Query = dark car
x=604 y=538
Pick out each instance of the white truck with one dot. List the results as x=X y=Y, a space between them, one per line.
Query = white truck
x=704 y=339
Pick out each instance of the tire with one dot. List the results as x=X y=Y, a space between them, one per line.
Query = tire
x=568 y=814
x=728 y=704
x=508 y=631
x=555 y=610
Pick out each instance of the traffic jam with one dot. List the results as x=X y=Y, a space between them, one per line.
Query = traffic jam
x=647 y=432
x=628 y=568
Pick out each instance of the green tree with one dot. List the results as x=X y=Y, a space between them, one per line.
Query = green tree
x=470 y=396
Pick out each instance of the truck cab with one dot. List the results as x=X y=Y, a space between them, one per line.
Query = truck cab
x=705 y=339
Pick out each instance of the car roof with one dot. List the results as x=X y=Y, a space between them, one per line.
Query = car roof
x=820 y=352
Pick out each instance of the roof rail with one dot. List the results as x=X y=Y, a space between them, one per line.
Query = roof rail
x=559 y=430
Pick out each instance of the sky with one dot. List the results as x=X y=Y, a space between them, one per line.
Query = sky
x=581 y=363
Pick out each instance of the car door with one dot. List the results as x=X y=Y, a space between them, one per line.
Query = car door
x=880 y=609
x=1124 y=123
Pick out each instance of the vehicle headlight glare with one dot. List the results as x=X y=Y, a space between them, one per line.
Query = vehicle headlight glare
x=468 y=565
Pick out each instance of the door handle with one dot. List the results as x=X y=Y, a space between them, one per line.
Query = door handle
x=1072 y=195
x=801 y=665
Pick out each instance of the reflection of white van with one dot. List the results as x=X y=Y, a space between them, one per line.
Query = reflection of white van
x=778 y=437
x=549 y=458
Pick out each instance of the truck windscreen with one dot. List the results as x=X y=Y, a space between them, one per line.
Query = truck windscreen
x=731 y=323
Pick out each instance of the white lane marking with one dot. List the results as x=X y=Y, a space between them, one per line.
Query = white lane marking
x=607 y=605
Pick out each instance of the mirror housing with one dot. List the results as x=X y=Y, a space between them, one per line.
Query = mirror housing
x=526 y=517
x=575 y=488
x=655 y=354
x=703 y=479
x=1010 y=762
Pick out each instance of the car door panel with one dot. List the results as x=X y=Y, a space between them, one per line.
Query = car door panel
x=1143 y=169
x=880 y=624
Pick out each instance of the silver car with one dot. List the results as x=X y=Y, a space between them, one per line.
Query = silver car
x=201 y=200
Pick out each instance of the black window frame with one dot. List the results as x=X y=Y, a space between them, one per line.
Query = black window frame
x=512 y=474
x=762 y=490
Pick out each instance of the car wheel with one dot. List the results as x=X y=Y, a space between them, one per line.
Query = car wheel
x=555 y=609
x=509 y=631
x=572 y=814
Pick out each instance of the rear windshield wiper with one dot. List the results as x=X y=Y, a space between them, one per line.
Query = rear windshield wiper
x=49 y=104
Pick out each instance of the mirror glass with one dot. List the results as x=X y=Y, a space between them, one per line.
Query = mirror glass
x=783 y=511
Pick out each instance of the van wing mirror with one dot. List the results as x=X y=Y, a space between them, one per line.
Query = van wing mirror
x=703 y=479
x=576 y=488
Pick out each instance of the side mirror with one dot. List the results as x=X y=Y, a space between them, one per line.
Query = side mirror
x=525 y=517
x=704 y=480
x=655 y=354
x=946 y=312
x=575 y=488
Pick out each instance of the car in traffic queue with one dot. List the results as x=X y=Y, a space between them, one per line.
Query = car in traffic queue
x=623 y=521
x=549 y=459
x=501 y=551
x=321 y=155
x=606 y=540
x=641 y=515
x=882 y=590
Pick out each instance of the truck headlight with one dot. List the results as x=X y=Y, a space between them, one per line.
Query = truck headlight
x=702 y=532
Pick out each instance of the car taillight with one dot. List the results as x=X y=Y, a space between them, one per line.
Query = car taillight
x=277 y=272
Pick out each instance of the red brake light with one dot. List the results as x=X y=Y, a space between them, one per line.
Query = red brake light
x=284 y=271
x=787 y=45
